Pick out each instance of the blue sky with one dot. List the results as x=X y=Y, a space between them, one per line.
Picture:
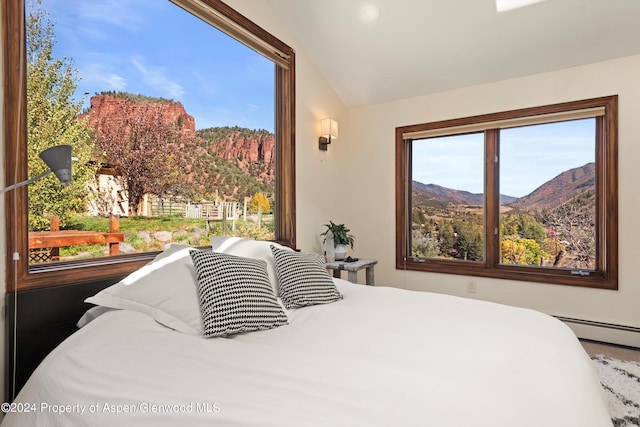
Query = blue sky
x=154 y=48
x=529 y=157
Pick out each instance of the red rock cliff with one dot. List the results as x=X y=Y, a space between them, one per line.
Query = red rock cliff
x=113 y=107
x=247 y=150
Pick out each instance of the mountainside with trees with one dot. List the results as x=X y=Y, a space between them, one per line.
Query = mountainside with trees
x=253 y=151
x=553 y=226
x=438 y=195
x=560 y=189
x=549 y=195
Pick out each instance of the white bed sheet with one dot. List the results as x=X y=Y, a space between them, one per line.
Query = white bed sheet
x=380 y=357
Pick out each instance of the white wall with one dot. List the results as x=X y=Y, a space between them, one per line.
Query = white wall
x=372 y=212
x=353 y=182
x=318 y=173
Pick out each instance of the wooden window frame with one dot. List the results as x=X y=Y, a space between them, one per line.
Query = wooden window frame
x=19 y=275
x=605 y=275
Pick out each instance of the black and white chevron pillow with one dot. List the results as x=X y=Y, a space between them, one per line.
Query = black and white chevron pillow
x=303 y=279
x=235 y=294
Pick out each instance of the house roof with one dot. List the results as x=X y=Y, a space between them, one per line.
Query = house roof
x=373 y=51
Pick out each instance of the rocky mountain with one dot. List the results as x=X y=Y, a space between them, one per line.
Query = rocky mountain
x=434 y=195
x=253 y=151
x=560 y=189
x=551 y=194
x=112 y=106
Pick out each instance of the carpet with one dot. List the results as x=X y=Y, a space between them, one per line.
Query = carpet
x=621 y=383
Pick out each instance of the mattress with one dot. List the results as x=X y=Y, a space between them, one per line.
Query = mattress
x=381 y=356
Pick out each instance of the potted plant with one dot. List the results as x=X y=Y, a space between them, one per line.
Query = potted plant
x=341 y=238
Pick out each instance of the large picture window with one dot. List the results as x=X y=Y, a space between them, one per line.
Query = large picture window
x=527 y=195
x=140 y=156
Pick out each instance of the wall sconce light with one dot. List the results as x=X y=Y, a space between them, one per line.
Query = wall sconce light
x=328 y=131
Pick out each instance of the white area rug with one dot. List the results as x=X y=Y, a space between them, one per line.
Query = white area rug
x=621 y=382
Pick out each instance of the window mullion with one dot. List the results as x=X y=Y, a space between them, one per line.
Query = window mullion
x=492 y=198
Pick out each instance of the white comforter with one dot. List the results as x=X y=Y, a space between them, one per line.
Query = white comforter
x=380 y=357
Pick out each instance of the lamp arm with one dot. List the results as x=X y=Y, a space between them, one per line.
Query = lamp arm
x=27 y=182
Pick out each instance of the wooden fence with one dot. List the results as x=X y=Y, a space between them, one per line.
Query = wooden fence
x=213 y=211
x=44 y=246
x=167 y=205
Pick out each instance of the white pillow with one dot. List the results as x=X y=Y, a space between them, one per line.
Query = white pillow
x=92 y=314
x=249 y=248
x=166 y=289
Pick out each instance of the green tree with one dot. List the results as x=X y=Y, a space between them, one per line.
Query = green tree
x=446 y=238
x=418 y=216
x=469 y=242
x=523 y=225
x=52 y=120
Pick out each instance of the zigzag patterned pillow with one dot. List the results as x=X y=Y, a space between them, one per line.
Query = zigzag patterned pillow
x=235 y=294
x=303 y=279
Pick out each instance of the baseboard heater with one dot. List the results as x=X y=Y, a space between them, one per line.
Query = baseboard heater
x=599 y=324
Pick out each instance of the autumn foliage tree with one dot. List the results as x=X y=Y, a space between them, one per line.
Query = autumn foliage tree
x=523 y=240
x=148 y=151
x=259 y=202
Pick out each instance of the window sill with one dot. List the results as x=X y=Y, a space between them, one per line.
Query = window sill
x=518 y=273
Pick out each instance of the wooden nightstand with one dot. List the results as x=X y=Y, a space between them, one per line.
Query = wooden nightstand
x=353 y=268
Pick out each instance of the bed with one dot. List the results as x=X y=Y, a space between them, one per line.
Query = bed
x=363 y=356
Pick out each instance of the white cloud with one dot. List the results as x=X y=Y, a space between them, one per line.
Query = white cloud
x=115 y=81
x=119 y=13
x=94 y=18
x=100 y=76
x=156 y=78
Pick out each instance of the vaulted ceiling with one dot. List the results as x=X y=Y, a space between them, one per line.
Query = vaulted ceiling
x=378 y=50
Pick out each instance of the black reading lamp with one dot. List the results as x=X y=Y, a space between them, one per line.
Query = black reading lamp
x=58 y=159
